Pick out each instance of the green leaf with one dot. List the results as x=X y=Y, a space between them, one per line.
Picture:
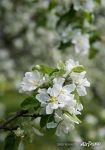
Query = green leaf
x=45 y=69
x=93 y=52
x=67 y=17
x=52 y=4
x=40 y=17
x=63 y=46
x=11 y=142
x=94 y=37
x=73 y=117
x=78 y=69
x=29 y=103
x=50 y=132
x=89 y=16
x=45 y=119
x=58 y=74
x=98 y=1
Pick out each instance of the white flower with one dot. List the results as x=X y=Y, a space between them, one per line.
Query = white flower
x=65 y=120
x=78 y=108
x=57 y=96
x=85 y=5
x=81 y=82
x=64 y=126
x=31 y=81
x=70 y=64
x=19 y=132
x=75 y=108
x=81 y=43
x=89 y=6
x=77 y=4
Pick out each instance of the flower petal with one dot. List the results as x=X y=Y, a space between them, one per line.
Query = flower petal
x=81 y=90
x=51 y=124
x=54 y=91
x=85 y=82
x=42 y=97
x=69 y=88
x=49 y=109
x=59 y=81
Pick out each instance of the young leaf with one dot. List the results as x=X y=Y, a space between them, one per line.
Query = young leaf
x=29 y=103
x=73 y=117
x=78 y=69
x=44 y=69
x=11 y=142
x=50 y=132
x=58 y=73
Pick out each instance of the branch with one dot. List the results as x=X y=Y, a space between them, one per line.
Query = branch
x=8 y=121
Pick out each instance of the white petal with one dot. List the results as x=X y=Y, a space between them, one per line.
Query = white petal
x=66 y=130
x=37 y=132
x=85 y=82
x=82 y=74
x=43 y=98
x=62 y=99
x=51 y=125
x=54 y=91
x=69 y=88
x=49 y=110
x=74 y=76
x=28 y=74
x=70 y=64
x=42 y=91
x=58 y=115
x=78 y=77
x=37 y=75
x=79 y=107
x=26 y=87
x=81 y=90
x=59 y=131
x=59 y=81
x=31 y=81
x=54 y=105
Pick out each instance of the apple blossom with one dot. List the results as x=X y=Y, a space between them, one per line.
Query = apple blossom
x=65 y=124
x=31 y=81
x=81 y=43
x=87 y=6
x=70 y=64
x=81 y=82
x=57 y=96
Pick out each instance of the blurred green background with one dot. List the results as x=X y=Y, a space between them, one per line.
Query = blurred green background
x=28 y=36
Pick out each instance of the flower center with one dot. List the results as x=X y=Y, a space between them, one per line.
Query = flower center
x=53 y=99
x=62 y=91
x=35 y=83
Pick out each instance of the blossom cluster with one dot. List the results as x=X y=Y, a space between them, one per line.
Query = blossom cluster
x=58 y=92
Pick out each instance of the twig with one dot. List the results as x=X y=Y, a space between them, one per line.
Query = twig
x=18 y=114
